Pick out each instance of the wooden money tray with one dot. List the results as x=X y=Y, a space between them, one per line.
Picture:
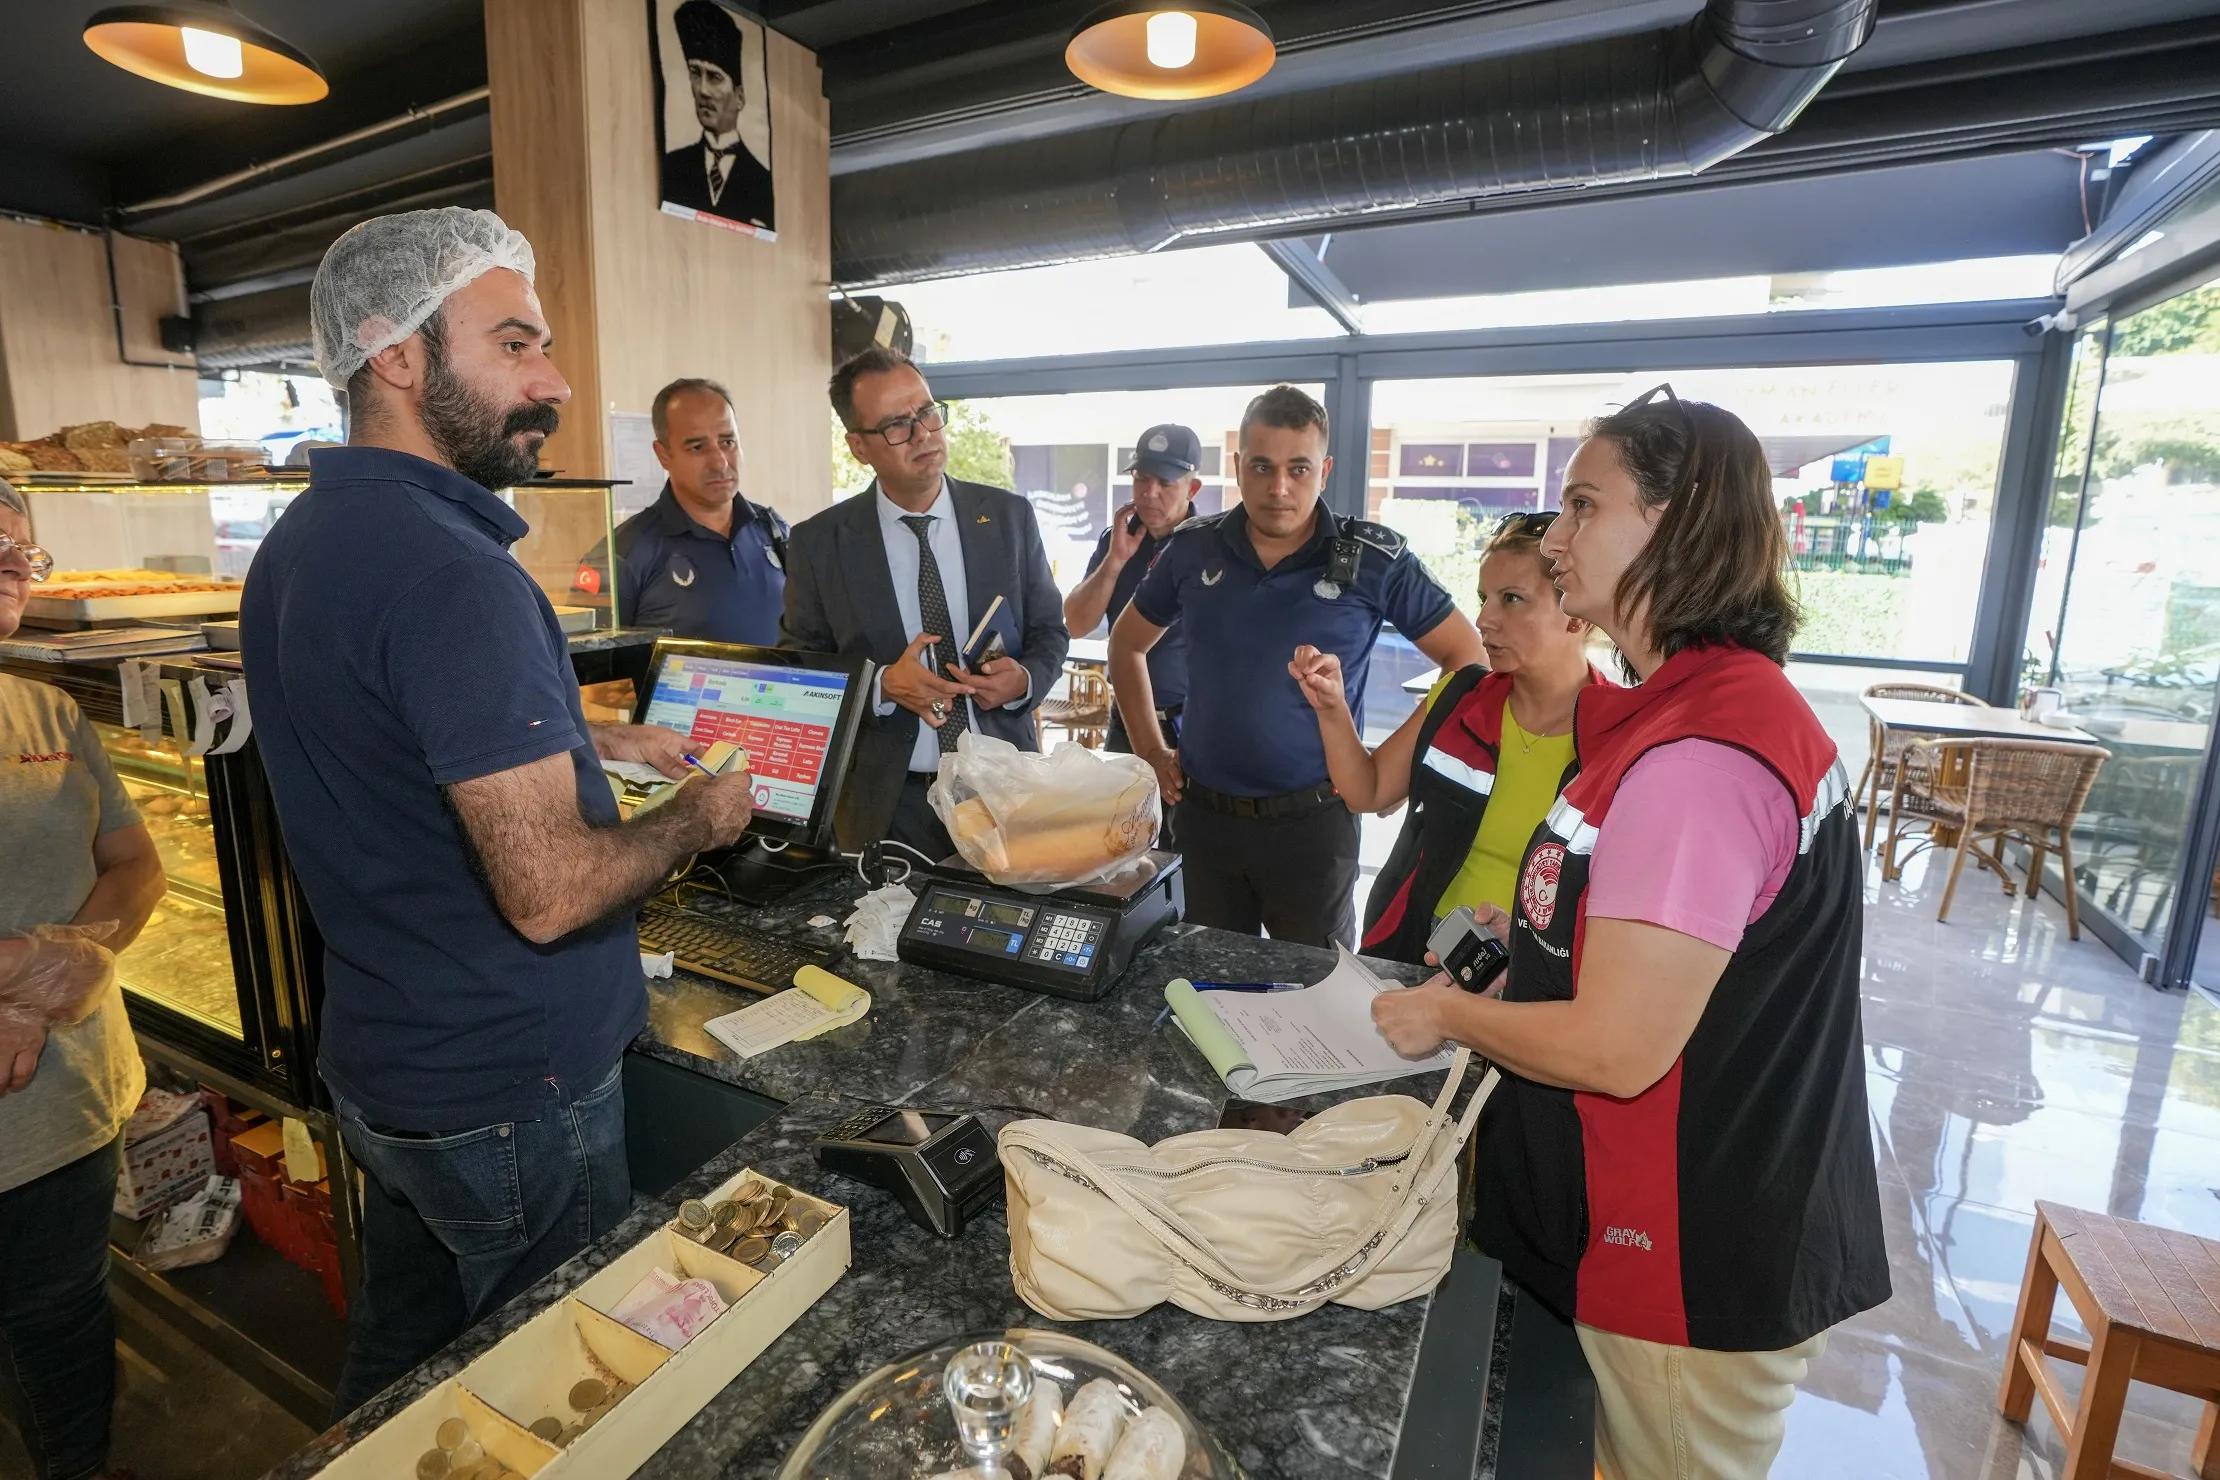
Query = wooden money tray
x=529 y=1374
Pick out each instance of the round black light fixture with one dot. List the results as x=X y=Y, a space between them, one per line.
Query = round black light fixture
x=205 y=46
x=1198 y=49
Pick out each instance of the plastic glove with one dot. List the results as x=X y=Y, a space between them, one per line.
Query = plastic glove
x=62 y=977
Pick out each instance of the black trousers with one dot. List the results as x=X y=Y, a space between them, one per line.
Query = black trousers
x=915 y=823
x=1294 y=877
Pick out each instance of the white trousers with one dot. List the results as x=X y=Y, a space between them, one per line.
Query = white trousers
x=1677 y=1413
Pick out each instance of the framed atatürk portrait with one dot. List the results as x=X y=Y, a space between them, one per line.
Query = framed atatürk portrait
x=713 y=114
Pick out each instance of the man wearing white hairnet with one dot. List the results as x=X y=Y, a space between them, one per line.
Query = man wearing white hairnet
x=441 y=794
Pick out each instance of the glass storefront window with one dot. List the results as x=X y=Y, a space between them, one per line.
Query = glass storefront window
x=1885 y=476
x=1228 y=294
x=2138 y=639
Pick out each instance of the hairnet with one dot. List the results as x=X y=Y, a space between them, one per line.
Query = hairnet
x=382 y=279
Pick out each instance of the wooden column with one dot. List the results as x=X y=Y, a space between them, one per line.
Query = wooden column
x=638 y=298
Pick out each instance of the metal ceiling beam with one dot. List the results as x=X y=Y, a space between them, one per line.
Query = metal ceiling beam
x=1308 y=271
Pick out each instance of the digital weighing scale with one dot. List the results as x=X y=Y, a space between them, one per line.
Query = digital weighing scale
x=1068 y=943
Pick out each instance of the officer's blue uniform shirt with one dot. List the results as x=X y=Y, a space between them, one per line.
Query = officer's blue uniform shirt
x=673 y=572
x=1168 y=659
x=1248 y=730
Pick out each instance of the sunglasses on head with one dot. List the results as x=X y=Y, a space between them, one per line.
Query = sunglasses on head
x=1665 y=389
x=1525 y=522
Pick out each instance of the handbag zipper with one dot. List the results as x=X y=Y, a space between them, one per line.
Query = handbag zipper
x=1369 y=1164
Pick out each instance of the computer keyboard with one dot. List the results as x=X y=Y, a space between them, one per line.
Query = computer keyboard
x=739 y=954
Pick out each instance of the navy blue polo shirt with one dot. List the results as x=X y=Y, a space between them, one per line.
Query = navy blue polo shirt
x=1168 y=659
x=1247 y=730
x=394 y=647
x=675 y=573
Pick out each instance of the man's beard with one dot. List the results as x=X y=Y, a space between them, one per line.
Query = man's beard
x=476 y=438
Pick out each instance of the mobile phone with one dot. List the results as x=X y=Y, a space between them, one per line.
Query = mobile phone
x=1472 y=956
x=1132 y=524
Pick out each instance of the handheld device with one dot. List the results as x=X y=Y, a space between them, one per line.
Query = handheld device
x=1132 y=524
x=941 y=1167
x=1472 y=956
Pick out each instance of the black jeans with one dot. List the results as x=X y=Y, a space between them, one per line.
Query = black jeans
x=456 y=1224
x=1292 y=876
x=57 y=1332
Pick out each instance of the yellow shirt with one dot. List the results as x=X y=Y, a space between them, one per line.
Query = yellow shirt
x=1527 y=769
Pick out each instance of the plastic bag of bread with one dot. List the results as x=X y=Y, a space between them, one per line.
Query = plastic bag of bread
x=1068 y=817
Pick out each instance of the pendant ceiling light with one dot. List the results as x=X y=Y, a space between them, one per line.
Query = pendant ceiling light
x=1140 y=49
x=205 y=46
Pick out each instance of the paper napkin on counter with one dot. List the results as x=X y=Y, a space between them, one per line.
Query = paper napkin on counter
x=878 y=919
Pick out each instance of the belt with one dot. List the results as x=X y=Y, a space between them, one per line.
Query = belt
x=1288 y=804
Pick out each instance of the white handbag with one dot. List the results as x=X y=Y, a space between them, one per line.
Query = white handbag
x=1358 y=1205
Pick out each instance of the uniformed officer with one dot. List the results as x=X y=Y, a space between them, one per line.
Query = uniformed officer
x=1163 y=468
x=1267 y=841
x=701 y=560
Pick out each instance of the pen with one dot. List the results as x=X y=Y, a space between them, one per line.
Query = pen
x=697 y=765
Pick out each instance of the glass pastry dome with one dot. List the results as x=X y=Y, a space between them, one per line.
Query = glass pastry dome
x=1071 y=1398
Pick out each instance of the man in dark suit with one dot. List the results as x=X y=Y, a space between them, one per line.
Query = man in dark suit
x=901 y=573
x=716 y=173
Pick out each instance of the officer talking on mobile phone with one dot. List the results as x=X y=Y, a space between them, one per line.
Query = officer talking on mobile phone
x=1164 y=465
x=1267 y=840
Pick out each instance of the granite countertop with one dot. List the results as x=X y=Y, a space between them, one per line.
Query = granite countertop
x=1322 y=1396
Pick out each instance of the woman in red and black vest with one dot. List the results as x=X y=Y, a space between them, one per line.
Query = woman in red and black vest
x=1679 y=1158
x=1481 y=761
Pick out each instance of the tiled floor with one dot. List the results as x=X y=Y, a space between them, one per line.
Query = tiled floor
x=2005 y=1064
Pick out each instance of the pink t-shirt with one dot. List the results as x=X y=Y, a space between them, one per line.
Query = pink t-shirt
x=1699 y=839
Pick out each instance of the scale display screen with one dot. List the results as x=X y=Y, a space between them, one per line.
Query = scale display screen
x=1005 y=914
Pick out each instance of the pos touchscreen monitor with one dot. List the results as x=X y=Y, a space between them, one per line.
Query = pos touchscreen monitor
x=796 y=713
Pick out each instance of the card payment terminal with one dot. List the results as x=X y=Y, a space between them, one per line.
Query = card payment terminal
x=1070 y=943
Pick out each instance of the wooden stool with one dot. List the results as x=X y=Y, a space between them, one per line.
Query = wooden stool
x=2151 y=1300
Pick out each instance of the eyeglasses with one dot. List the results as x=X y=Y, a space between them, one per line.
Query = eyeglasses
x=900 y=429
x=41 y=563
x=1526 y=522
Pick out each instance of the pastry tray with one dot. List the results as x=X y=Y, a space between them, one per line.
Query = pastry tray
x=529 y=1375
x=120 y=608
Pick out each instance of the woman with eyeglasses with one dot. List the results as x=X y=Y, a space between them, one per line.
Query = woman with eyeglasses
x=1679 y=1158
x=1481 y=761
x=73 y=853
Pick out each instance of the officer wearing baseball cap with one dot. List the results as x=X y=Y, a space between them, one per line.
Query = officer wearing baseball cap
x=1267 y=840
x=1163 y=467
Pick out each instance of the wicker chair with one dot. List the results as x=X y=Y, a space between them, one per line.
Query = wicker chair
x=1976 y=791
x=1083 y=712
x=1888 y=745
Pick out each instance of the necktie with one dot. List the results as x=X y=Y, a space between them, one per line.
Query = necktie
x=932 y=612
x=718 y=164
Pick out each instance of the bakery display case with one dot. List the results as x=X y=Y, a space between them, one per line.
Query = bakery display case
x=128 y=535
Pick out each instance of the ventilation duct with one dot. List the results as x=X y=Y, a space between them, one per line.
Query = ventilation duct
x=1669 y=102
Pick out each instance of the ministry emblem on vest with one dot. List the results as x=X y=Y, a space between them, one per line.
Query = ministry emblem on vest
x=1538 y=885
